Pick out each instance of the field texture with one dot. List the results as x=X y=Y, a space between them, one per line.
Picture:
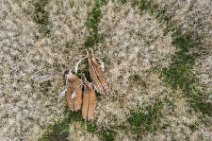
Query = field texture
x=158 y=61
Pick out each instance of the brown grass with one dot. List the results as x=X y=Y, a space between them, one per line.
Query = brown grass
x=134 y=51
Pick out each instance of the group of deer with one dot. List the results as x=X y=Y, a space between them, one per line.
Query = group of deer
x=81 y=93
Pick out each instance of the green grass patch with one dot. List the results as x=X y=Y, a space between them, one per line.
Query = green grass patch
x=59 y=131
x=92 y=23
x=145 y=120
x=151 y=7
x=91 y=127
x=41 y=16
x=179 y=74
x=104 y=134
x=199 y=102
x=108 y=135
x=91 y=40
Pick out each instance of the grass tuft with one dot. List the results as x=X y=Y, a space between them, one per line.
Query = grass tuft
x=179 y=74
x=59 y=131
x=108 y=135
x=105 y=134
x=41 y=16
x=90 y=41
x=91 y=127
x=199 y=103
x=147 y=120
x=92 y=24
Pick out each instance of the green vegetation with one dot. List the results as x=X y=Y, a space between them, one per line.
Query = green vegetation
x=93 y=38
x=199 y=103
x=147 y=120
x=179 y=73
x=59 y=131
x=108 y=135
x=41 y=16
x=149 y=6
x=91 y=127
x=92 y=24
x=105 y=134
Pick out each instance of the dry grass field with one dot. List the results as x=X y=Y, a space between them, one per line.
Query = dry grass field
x=158 y=61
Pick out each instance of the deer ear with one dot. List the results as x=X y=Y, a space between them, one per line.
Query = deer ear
x=65 y=72
x=102 y=65
x=76 y=66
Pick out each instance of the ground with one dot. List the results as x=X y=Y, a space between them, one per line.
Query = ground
x=157 y=57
